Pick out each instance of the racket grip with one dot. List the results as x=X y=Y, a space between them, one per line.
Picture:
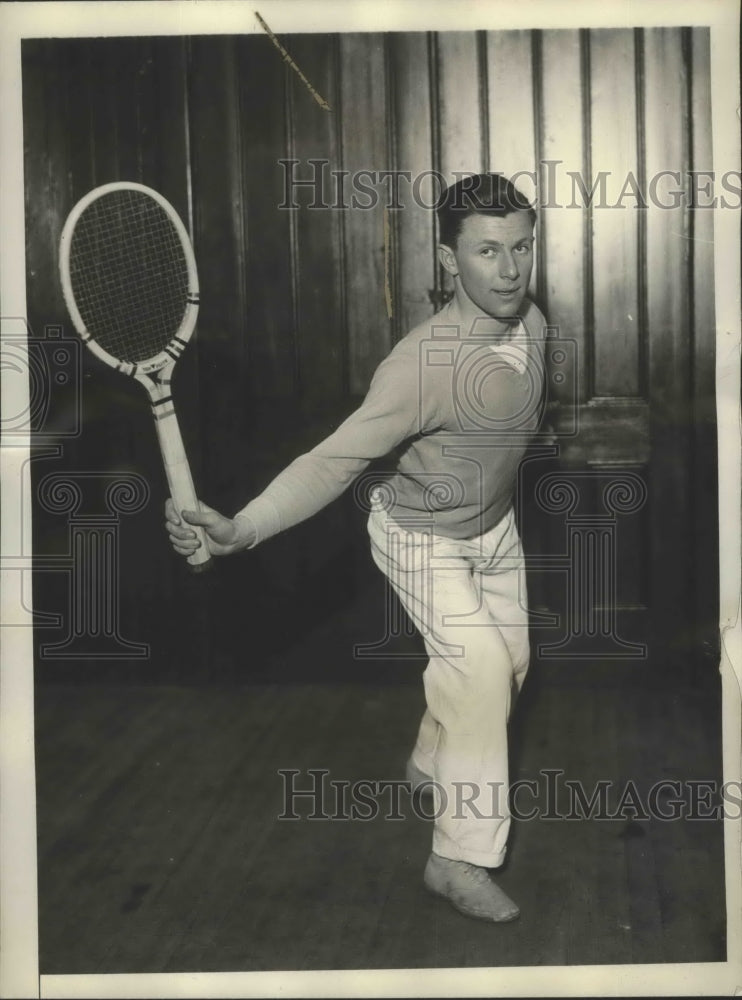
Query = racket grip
x=180 y=481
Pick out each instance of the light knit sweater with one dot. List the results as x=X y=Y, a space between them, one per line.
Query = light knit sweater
x=455 y=404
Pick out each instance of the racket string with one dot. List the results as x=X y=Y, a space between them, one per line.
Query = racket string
x=129 y=274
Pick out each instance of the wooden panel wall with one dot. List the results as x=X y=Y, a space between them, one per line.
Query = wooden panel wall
x=363 y=102
x=416 y=146
x=565 y=232
x=512 y=89
x=209 y=120
x=300 y=306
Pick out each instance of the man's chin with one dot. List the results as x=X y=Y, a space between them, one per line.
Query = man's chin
x=507 y=311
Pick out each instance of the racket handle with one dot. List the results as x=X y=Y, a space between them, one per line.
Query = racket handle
x=180 y=481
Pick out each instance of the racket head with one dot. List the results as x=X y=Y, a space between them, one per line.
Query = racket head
x=129 y=276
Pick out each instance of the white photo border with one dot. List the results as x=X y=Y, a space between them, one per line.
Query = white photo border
x=19 y=972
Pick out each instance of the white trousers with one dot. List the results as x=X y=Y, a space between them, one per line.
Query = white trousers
x=468 y=600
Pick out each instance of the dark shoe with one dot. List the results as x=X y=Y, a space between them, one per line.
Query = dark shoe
x=469 y=889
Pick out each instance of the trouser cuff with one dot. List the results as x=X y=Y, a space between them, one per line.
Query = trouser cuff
x=446 y=848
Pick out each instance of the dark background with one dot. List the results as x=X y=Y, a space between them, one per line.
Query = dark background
x=293 y=318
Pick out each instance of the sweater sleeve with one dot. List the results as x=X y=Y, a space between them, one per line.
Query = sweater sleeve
x=392 y=412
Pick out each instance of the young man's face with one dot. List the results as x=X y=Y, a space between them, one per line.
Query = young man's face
x=493 y=259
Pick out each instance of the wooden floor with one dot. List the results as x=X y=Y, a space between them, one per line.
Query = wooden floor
x=160 y=848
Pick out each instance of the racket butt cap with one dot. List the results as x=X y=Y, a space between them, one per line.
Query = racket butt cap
x=201 y=567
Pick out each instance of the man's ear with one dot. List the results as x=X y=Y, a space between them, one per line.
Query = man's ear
x=447 y=257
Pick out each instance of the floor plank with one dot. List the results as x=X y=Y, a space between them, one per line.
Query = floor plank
x=160 y=846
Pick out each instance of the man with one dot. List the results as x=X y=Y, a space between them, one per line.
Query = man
x=458 y=398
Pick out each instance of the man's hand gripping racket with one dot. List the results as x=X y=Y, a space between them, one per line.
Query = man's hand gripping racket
x=131 y=287
x=225 y=535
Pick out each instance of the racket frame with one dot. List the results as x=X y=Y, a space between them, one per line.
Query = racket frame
x=154 y=373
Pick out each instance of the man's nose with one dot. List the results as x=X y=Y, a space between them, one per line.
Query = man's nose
x=508 y=265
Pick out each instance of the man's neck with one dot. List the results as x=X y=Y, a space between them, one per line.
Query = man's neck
x=475 y=322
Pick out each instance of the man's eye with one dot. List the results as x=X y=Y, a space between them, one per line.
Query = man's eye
x=488 y=252
x=523 y=249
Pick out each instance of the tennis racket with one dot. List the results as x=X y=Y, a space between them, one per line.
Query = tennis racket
x=130 y=283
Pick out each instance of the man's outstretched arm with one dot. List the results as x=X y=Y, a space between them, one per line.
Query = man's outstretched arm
x=388 y=416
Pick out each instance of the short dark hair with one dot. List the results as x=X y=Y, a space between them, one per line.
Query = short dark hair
x=478 y=194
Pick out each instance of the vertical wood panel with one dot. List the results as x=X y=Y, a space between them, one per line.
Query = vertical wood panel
x=216 y=171
x=78 y=72
x=459 y=119
x=48 y=198
x=169 y=167
x=216 y=177
x=144 y=104
x=269 y=307
x=667 y=227
x=705 y=485
x=416 y=240
x=128 y=123
x=668 y=304
x=512 y=130
x=363 y=136
x=129 y=94
x=106 y=128
x=615 y=243
x=459 y=97
x=702 y=222
x=321 y=348
x=561 y=228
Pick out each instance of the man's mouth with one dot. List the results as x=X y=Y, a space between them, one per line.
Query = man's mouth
x=506 y=293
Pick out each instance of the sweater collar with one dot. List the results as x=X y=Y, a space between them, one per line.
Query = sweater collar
x=474 y=324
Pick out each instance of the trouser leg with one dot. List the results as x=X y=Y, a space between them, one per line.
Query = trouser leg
x=423 y=756
x=501 y=579
x=467 y=682
x=500 y=575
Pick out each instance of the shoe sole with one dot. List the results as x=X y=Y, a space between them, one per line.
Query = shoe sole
x=441 y=894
